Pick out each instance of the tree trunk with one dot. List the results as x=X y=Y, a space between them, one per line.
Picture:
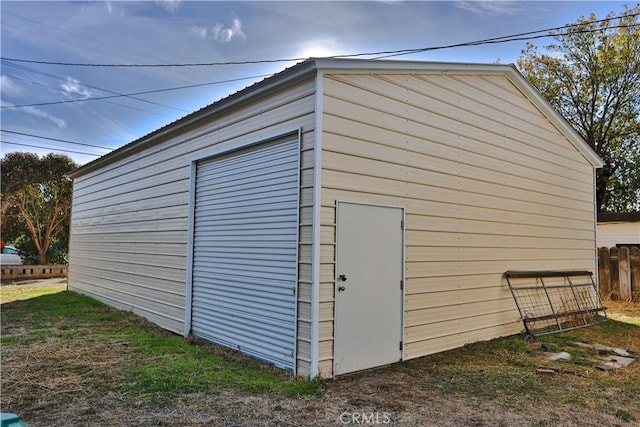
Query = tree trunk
x=42 y=257
x=602 y=178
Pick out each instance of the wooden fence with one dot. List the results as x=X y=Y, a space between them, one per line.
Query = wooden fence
x=619 y=273
x=26 y=272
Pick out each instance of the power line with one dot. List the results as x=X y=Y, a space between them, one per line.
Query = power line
x=386 y=54
x=50 y=148
x=502 y=39
x=99 y=98
x=56 y=139
x=131 y=107
x=497 y=40
x=53 y=76
x=103 y=42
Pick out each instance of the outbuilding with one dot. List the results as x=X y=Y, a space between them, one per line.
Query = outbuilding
x=340 y=215
x=618 y=229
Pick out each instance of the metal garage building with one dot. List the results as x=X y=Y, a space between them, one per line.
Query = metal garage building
x=340 y=215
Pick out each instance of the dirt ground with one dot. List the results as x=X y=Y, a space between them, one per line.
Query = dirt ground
x=409 y=394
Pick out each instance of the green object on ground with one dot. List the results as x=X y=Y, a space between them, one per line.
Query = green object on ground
x=11 y=420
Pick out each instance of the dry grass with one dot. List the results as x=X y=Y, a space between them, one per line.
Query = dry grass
x=69 y=361
x=16 y=291
x=624 y=311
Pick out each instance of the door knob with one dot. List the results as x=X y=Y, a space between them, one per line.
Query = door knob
x=342 y=278
x=341 y=288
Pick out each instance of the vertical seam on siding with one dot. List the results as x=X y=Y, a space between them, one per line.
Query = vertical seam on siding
x=70 y=266
x=595 y=229
x=315 y=250
x=190 y=232
x=403 y=251
x=297 y=281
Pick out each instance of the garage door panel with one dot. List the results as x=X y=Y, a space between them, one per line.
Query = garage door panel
x=245 y=250
x=254 y=288
x=256 y=224
x=247 y=247
x=253 y=306
x=225 y=307
x=256 y=235
x=264 y=163
x=245 y=324
x=273 y=175
x=274 y=254
x=229 y=162
x=239 y=273
x=255 y=202
x=253 y=189
x=229 y=266
x=238 y=214
x=244 y=337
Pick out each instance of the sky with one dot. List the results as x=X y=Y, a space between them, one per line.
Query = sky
x=35 y=98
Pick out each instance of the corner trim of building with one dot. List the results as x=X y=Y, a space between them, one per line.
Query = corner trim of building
x=317 y=208
x=190 y=229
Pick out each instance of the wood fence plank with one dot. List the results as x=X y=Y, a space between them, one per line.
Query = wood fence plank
x=604 y=273
x=614 y=274
x=634 y=259
x=619 y=273
x=624 y=271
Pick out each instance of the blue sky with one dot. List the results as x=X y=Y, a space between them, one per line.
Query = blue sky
x=174 y=31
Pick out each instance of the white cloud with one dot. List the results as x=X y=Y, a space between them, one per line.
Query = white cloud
x=38 y=113
x=231 y=31
x=489 y=7
x=73 y=87
x=8 y=86
x=221 y=32
x=169 y=5
x=199 y=32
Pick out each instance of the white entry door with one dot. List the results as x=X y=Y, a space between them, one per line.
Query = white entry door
x=368 y=293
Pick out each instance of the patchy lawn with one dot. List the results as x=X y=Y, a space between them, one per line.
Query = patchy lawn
x=68 y=360
x=624 y=311
x=14 y=291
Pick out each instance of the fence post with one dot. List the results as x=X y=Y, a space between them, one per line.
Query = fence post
x=614 y=272
x=624 y=271
x=604 y=273
x=634 y=259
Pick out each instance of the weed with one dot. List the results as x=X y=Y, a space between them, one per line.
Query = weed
x=624 y=415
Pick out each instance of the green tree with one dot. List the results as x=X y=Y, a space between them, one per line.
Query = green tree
x=591 y=74
x=36 y=203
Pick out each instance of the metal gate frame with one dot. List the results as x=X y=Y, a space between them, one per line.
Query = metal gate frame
x=568 y=300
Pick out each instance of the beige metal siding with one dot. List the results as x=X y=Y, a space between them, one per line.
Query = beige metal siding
x=489 y=185
x=612 y=233
x=130 y=219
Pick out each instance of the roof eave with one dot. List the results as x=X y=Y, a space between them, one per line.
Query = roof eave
x=325 y=65
x=555 y=117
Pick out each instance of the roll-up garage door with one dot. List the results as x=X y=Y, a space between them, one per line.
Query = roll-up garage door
x=245 y=250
